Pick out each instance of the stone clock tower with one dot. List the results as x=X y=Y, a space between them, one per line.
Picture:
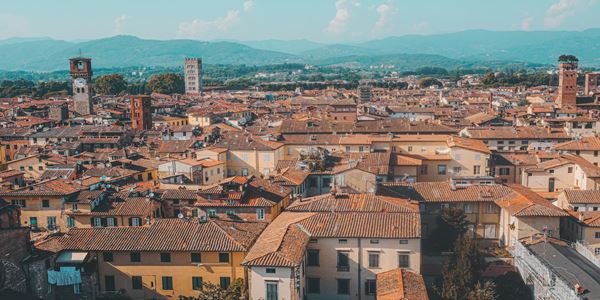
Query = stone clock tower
x=81 y=77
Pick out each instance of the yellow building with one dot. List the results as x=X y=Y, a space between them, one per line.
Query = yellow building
x=43 y=204
x=167 y=259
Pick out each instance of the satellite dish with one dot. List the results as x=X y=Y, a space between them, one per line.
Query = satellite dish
x=180 y=215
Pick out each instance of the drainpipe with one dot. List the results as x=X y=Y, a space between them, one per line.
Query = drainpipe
x=359 y=269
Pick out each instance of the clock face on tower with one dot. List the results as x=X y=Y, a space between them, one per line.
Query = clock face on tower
x=79 y=82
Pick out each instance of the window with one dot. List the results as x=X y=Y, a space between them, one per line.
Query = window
x=504 y=171
x=74 y=206
x=374 y=241
x=110 y=222
x=244 y=172
x=223 y=257
x=410 y=148
x=343 y=241
x=51 y=222
x=373 y=259
x=370 y=287
x=212 y=213
x=107 y=256
x=403 y=242
x=597 y=251
x=471 y=230
x=491 y=208
x=313 y=258
x=196 y=257
x=266 y=157
x=70 y=222
x=468 y=208
x=165 y=257
x=20 y=203
x=570 y=170
x=136 y=282
x=33 y=221
x=597 y=234
x=196 y=283
x=456 y=170
x=343 y=286
x=96 y=222
x=224 y=282
x=167 y=283
x=403 y=260
x=109 y=283
x=313 y=285
x=477 y=156
x=135 y=221
x=343 y=263
x=441 y=169
x=476 y=170
x=271 y=271
x=272 y=292
x=490 y=231
x=260 y=214
x=135 y=257
x=423 y=170
x=45 y=203
x=361 y=148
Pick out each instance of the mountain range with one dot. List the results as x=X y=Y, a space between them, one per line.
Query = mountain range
x=472 y=48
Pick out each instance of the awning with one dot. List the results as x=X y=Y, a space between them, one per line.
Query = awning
x=72 y=257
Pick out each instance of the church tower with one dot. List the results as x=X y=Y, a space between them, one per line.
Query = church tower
x=81 y=77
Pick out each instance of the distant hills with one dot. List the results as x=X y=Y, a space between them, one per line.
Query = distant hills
x=473 y=48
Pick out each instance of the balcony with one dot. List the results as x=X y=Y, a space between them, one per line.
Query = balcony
x=343 y=268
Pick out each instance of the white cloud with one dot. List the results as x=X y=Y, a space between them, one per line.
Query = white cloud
x=384 y=11
x=120 y=24
x=563 y=9
x=526 y=23
x=340 y=20
x=248 y=5
x=13 y=25
x=197 y=27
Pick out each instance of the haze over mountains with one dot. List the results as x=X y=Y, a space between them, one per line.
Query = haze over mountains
x=461 y=49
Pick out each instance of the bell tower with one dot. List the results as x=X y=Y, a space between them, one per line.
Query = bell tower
x=81 y=78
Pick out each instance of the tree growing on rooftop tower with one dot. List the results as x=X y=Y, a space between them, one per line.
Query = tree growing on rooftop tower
x=568 y=58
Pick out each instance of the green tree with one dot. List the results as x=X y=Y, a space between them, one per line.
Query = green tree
x=112 y=84
x=483 y=291
x=211 y=291
x=451 y=224
x=568 y=58
x=429 y=81
x=167 y=83
x=461 y=270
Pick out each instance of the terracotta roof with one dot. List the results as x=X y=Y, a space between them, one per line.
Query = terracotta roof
x=353 y=203
x=588 y=218
x=582 y=196
x=366 y=225
x=166 y=235
x=443 y=192
x=517 y=133
x=53 y=187
x=583 y=144
x=400 y=284
x=523 y=202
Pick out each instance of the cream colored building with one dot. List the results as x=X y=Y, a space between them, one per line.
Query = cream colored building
x=323 y=248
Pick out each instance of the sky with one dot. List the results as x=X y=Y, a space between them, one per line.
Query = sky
x=326 y=21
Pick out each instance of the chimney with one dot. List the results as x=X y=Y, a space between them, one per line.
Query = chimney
x=581 y=218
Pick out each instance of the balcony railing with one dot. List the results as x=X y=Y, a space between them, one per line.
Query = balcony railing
x=343 y=268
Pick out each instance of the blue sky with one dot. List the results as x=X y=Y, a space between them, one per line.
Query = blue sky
x=318 y=20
